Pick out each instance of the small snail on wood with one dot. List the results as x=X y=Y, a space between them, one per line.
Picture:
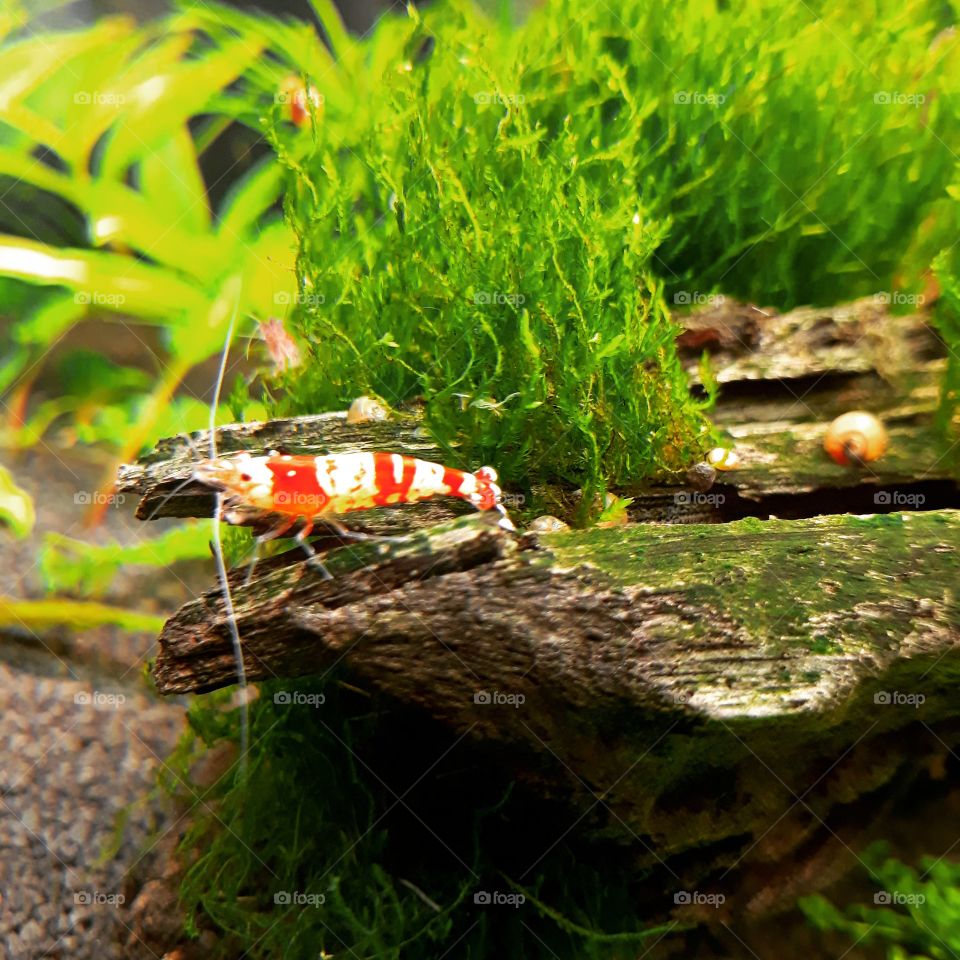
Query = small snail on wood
x=701 y=476
x=366 y=408
x=856 y=438
x=547 y=524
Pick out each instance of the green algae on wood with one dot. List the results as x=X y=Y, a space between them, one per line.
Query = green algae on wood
x=788 y=583
x=788 y=595
x=721 y=690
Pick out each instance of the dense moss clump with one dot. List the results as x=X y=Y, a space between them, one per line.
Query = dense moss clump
x=462 y=242
x=489 y=218
x=361 y=839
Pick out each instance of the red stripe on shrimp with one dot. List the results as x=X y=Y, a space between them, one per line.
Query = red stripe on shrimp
x=388 y=487
x=453 y=480
x=296 y=489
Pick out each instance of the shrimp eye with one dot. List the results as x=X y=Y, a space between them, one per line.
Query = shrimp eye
x=245 y=477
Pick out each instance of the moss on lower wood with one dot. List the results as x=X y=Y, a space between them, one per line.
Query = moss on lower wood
x=361 y=830
x=397 y=822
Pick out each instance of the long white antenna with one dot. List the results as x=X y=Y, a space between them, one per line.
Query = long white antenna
x=218 y=552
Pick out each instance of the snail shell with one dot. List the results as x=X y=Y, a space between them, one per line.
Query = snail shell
x=365 y=408
x=701 y=476
x=547 y=524
x=856 y=438
x=723 y=459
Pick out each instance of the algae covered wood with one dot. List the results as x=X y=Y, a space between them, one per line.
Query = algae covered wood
x=682 y=687
x=804 y=611
x=785 y=376
x=667 y=670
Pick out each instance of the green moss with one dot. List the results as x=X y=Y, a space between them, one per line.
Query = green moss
x=913 y=911
x=490 y=222
x=367 y=839
x=455 y=251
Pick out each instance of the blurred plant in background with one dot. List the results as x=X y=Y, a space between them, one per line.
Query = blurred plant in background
x=915 y=914
x=105 y=128
x=106 y=215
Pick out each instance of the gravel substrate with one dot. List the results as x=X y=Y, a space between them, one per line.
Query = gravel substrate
x=83 y=738
x=77 y=756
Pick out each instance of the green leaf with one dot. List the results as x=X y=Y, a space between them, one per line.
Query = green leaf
x=74 y=566
x=28 y=63
x=205 y=337
x=16 y=506
x=170 y=179
x=104 y=280
x=161 y=105
x=249 y=199
x=77 y=614
x=50 y=321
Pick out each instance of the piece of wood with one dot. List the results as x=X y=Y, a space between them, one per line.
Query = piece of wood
x=820 y=363
x=162 y=478
x=697 y=679
x=708 y=696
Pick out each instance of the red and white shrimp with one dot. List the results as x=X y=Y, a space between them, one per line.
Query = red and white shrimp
x=308 y=488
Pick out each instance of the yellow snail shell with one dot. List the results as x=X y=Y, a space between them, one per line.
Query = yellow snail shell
x=855 y=438
x=723 y=459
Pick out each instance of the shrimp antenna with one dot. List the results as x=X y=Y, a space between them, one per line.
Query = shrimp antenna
x=218 y=552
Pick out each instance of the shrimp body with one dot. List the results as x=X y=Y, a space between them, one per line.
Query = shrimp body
x=317 y=487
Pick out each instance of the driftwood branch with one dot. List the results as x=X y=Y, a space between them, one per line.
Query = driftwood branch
x=696 y=679
x=680 y=686
x=784 y=378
